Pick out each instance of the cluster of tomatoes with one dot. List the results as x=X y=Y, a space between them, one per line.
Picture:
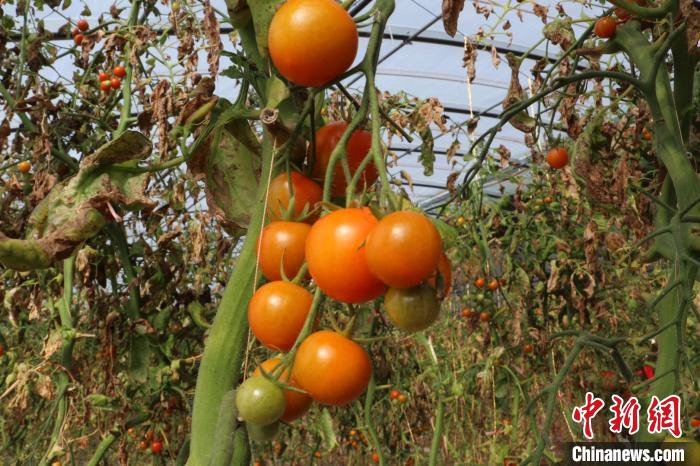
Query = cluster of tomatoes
x=81 y=26
x=108 y=83
x=150 y=440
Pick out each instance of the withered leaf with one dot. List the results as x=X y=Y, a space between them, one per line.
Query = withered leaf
x=450 y=14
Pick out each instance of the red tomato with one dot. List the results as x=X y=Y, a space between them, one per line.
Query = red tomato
x=78 y=39
x=119 y=71
x=281 y=244
x=305 y=192
x=312 y=42
x=493 y=285
x=695 y=422
x=335 y=254
x=103 y=76
x=156 y=447
x=75 y=32
x=648 y=371
x=333 y=369
x=83 y=25
x=116 y=83
x=605 y=27
x=327 y=137
x=277 y=313
x=375 y=457
x=479 y=282
x=394 y=394
x=467 y=313
x=106 y=86
x=403 y=249
x=557 y=157
x=484 y=316
x=297 y=404
x=444 y=268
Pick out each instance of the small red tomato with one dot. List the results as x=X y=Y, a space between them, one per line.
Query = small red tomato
x=467 y=313
x=2 y=350
x=605 y=27
x=106 y=85
x=375 y=457
x=78 y=39
x=394 y=394
x=83 y=25
x=119 y=71
x=622 y=14
x=103 y=76
x=484 y=316
x=142 y=445
x=528 y=348
x=557 y=157
x=149 y=435
x=156 y=447
x=75 y=32
x=115 y=83
x=695 y=422
x=493 y=285
x=479 y=282
x=646 y=134
x=648 y=371
x=548 y=200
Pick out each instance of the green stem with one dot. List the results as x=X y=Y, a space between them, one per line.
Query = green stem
x=126 y=85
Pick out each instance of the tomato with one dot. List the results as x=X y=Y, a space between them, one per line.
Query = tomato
x=106 y=86
x=479 y=282
x=646 y=134
x=312 y=42
x=149 y=435
x=260 y=401
x=305 y=192
x=142 y=445
x=119 y=71
x=103 y=76
x=297 y=404
x=548 y=200
x=467 y=313
x=277 y=312
x=333 y=369
x=262 y=434
x=557 y=157
x=648 y=371
x=622 y=14
x=131 y=431
x=116 y=83
x=156 y=447
x=327 y=137
x=460 y=221
x=24 y=166
x=484 y=316
x=375 y=457
x=412 y=309
x=528 y=348
x=402 y=398
x=78 y=39
x=336 y=256
x=444 y=268
x=281 y=245
x=493 y=285
x=403 y=249
x=695 y=422
x=75 y=32
x=83 y=25
x=394 y=394
x=605 y=27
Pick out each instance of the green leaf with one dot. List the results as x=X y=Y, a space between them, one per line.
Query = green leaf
x=67 y=4
x=427 y=156
x=327 y=432
x=262 y=12
x=139 y=354
x=448 y=233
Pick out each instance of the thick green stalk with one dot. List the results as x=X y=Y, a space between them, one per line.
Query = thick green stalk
x=223 y=353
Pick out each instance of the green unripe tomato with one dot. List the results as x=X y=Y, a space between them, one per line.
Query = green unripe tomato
x=263 y=434
x=260 y=401
x=412 y=309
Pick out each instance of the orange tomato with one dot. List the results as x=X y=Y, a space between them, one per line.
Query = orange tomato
x=484 y=316
x=327 y=137
x=305 y=192
x=24 y=166
x=78 y=39
x=479 y=282
x=403 y=249
x=83 y=24
x=493 y=285
x=557 y=157
x=336 y=256
x=333 y=369
x=119 y=71
x=277 y=313
x=312 y=42
x=467 y=313
x=281 y=245
x=297 y=403
x=444 y=268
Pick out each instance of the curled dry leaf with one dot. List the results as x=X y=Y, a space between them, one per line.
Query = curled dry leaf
x=521 y=121
x=450 y=14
